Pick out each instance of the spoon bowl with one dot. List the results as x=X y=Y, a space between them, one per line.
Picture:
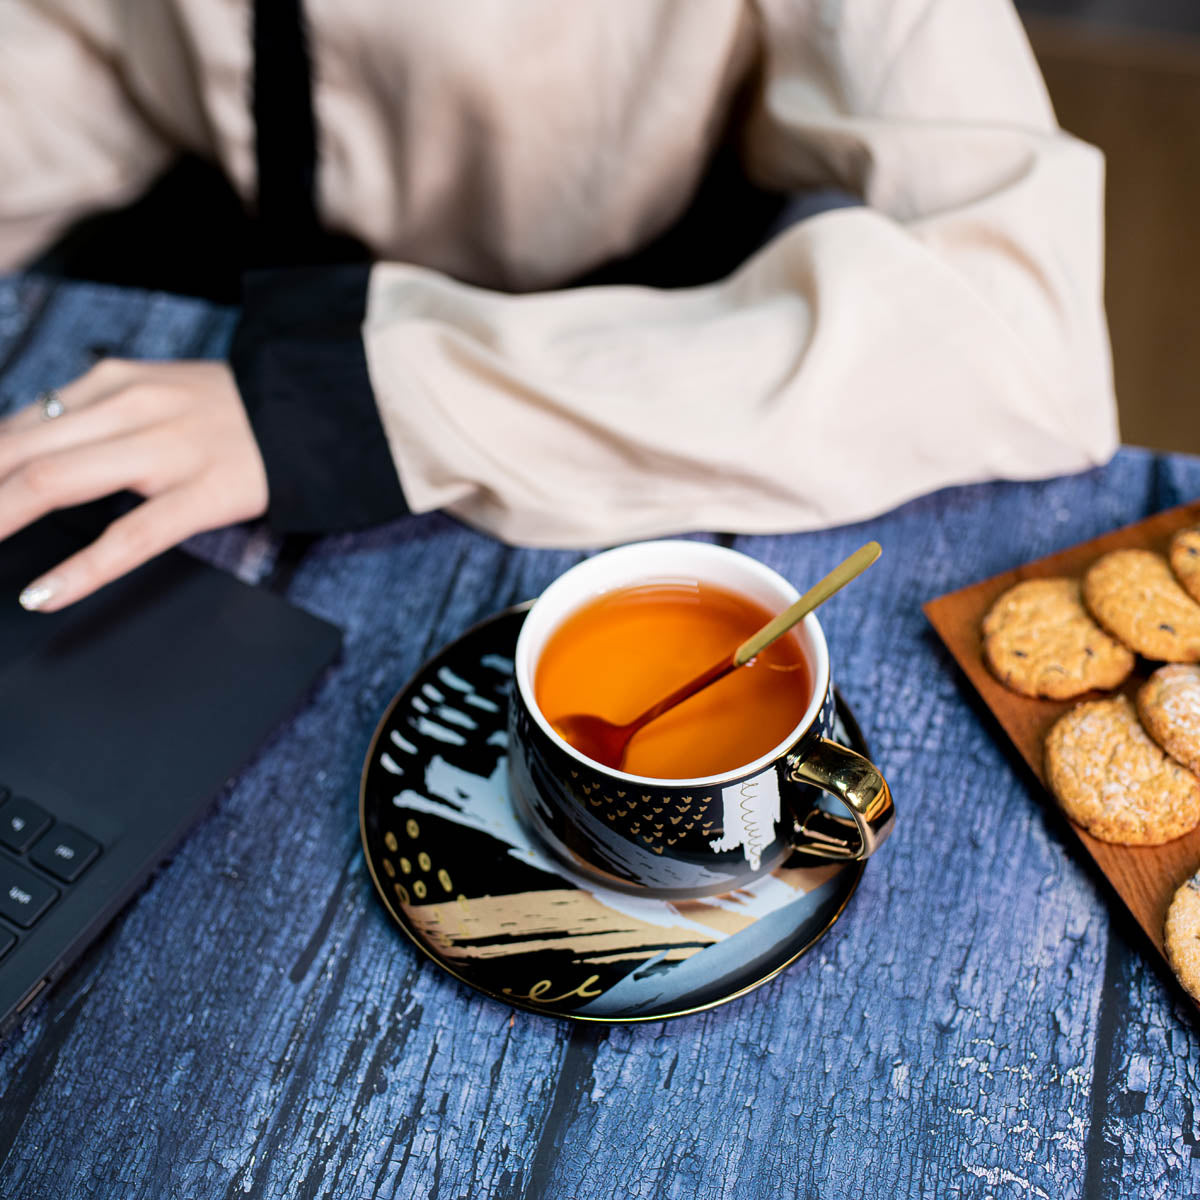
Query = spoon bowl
x=596 y=738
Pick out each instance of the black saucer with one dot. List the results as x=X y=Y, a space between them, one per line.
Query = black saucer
x=461 y=877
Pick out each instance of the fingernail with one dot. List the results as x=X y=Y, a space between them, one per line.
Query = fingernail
x=37 y=593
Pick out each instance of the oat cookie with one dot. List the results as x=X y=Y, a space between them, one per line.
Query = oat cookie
x=1181 y=935
x=1169 y=706
x=1185 y=560
x=1135 y=596
x=1114 y=781
x=1039 y=640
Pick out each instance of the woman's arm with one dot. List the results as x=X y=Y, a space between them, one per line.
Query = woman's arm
x=949 y=330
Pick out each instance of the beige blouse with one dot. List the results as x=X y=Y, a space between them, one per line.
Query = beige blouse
x=950 y=329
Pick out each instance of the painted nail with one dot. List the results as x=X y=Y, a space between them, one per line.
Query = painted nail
x=37 y=593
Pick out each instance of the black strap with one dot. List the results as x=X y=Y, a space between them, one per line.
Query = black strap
x=298 y=352
x=286 y=145
x=288 y=230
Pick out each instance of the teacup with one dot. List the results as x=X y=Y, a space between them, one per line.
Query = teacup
x=700 y=836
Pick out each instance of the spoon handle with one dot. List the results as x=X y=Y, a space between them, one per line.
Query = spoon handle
x=679 y=695
x=837 y=579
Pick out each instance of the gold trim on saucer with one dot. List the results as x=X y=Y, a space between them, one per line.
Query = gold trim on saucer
x=545 y=995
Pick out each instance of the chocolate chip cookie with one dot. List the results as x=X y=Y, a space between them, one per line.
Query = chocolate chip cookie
x=1136 y=597
x=1038 y=639
x=1185 y=560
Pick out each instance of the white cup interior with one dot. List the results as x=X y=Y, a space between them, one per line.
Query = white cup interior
x=665 y=562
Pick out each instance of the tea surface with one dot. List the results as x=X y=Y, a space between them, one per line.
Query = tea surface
x=627 y=649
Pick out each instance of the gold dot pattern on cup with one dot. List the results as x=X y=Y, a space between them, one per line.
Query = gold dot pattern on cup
x=389 y=840
x=388 y=869
x=423 y=861
x=406 y=866
x=412 y=828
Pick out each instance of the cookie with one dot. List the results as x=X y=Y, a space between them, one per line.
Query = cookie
x=1114 y=781
x=1169 y=706
x=1135 y=596
x=1185 y=560
x=1039 y=640
x=1181 y=935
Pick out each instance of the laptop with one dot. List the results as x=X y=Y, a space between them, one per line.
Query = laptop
x=120 y=719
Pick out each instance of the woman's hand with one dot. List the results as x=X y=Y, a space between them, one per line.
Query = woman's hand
x=174 y=432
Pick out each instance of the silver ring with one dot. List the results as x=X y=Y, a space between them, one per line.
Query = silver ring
x=52 y=405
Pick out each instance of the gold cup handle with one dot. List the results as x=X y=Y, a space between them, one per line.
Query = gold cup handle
x=859 y=786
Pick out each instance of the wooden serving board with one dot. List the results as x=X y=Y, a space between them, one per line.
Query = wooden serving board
x=1145 y=877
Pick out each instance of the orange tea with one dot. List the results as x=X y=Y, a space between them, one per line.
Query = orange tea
x=628 y=648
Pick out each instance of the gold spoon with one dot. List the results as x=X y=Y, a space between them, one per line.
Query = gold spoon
x=606 y=743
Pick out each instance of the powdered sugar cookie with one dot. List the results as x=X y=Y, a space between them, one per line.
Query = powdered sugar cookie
x=1169 y=706
x=1114 y=781
x=1181 y=935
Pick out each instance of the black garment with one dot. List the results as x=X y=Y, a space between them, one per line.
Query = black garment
x=301 y=368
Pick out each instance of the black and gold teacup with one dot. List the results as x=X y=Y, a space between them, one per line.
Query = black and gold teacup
x=683 y=838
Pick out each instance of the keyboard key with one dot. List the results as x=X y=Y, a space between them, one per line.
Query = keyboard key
x=7 y=942
x=21 y=821
x=64 y=852
x=23 y=896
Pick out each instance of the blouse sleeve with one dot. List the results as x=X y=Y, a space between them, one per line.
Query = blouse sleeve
x=71 y=139
x=950 y=329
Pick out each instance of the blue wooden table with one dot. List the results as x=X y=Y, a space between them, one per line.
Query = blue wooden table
x=982 y=1022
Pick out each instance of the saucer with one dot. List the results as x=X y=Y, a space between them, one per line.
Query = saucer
x=462 y=878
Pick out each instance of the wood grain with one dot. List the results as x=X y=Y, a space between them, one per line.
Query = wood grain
x=1145 y=877
x=975 y=1026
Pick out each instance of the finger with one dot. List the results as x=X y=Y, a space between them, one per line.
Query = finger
x=80 y=474
x=105 y=377
x=131 y=540
x=119 y=412
x=28 y=416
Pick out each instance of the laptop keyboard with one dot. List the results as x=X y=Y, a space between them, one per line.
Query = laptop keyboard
x=50 y=857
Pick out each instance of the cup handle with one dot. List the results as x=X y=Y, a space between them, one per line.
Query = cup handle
x=857 y=783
